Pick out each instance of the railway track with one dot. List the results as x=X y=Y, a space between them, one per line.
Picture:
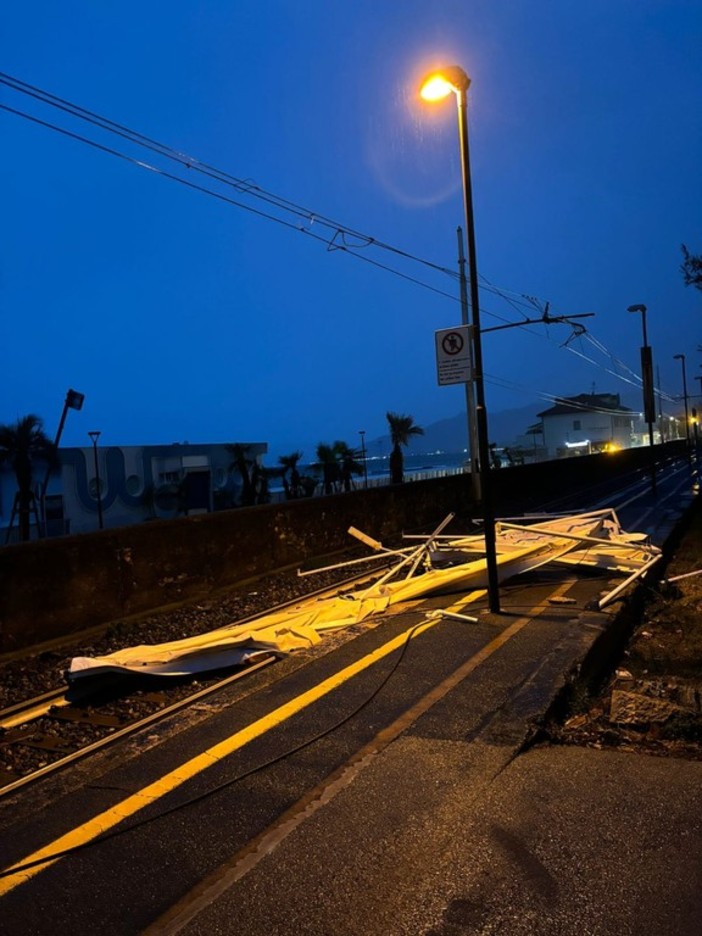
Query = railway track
x=46 y=733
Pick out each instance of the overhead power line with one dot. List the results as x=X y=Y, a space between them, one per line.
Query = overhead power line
x=335 y=236
x=340 y=236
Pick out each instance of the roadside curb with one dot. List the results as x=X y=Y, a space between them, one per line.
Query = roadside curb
x=615 y=631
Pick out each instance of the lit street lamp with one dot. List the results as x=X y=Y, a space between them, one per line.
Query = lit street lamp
x=95 y=435
x=681 y=358
x=647 y=382
x=437 y=86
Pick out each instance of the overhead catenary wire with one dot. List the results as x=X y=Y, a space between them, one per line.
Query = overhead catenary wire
x=246 y=186
x=339 y=237
x=222 y=197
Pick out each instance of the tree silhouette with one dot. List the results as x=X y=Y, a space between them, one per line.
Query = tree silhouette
x=326 y=459
x=347 y=459
x=21 y=444
x=248 y=470
x=292 y=485
x=691 y=268
x=402 y=428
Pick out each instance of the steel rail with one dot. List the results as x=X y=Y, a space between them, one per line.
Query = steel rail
x=29 y=709
x=25 y=712
x=133 y=727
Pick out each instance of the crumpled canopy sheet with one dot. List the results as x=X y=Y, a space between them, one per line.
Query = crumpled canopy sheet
x=300 y=626
x=611 y=547
x=296 y=628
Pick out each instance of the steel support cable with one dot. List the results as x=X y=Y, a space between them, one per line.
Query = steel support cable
x=547 y=397
x=225 y=198
x=243 y=185
x=340 y=232
x=248 y=187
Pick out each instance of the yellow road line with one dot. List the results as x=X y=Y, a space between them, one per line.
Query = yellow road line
x=111 y=817
x=175 y=778
x=219 y=881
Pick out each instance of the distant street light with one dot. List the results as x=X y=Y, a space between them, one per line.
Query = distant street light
x=681 y=358
x=436 y=87
x=95 y=435
x=362 y=433
x=647 y=381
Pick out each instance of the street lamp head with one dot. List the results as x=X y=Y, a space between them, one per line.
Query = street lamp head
x=94 y=435
x=439 y=84
x=678 y=357
x=636 y=308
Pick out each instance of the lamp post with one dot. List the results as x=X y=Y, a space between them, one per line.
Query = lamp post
x=436 y=87
x=470 y=390
x=695 y=423
x=647 y=382
x=362 y=433
x=95 y=435
x=681 y=358
x=74 y=400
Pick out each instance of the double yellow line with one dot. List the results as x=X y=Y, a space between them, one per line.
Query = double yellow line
x=32 y=864
x=107 y=820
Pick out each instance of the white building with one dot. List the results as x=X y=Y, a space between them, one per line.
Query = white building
x=588 y=423
x=135 y=483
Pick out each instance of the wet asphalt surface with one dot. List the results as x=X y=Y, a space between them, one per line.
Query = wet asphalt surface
x=443 y=828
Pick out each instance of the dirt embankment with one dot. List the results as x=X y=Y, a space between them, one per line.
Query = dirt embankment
x=652 y=702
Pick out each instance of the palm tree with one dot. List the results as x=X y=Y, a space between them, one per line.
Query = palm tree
x=292 y=486
x=326 y=458
x=243 y=463
x=21 y=444
x=402 y=428
x=348 y=464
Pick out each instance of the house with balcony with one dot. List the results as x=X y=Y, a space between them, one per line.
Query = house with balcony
x=585 y=424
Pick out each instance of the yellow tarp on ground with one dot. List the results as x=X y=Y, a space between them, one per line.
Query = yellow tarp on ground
x=299 y=627
x=296 y=628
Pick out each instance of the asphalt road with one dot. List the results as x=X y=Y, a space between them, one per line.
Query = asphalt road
x=396 y=801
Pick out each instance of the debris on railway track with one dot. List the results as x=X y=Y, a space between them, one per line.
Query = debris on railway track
x=593 y=539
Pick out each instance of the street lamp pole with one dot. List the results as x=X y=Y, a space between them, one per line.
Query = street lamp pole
x=437 y=86
x=74 y=400
x=362 y=433
x=681 y=358
x=647 y=382
x=95 y=435
x=470 y=394
x=695 y=422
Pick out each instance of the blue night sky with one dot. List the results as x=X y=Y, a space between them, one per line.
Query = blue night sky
x=181 y=316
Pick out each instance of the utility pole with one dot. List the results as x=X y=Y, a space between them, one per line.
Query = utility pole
x=466 y=319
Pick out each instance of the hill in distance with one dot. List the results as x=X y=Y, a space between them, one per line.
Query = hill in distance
x=451 y=434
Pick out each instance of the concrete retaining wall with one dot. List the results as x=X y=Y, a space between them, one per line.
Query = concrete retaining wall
x=53 y=588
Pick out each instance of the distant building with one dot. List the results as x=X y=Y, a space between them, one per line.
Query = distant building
x=136 y=483
x=588 y=423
